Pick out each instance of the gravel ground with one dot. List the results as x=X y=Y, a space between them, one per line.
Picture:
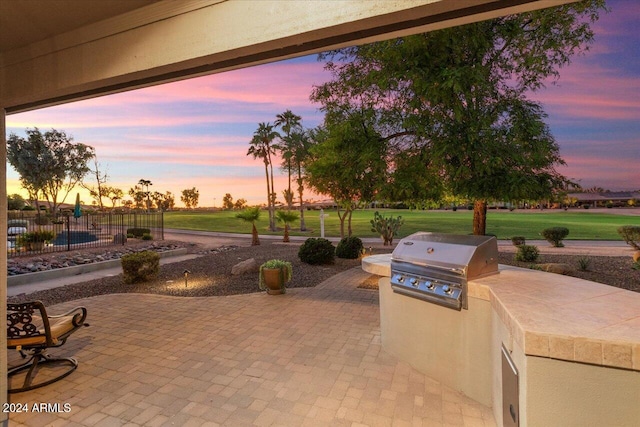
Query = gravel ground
x=615 y=271
x=210 y=274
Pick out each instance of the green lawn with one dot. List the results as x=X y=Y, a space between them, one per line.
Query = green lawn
x=582 y=225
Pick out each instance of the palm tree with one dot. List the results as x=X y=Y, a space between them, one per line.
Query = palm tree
x=251 y=215
x=261 y=147
x=287 y=121
x=286 y=217
x=300 y=143
x=146 y=183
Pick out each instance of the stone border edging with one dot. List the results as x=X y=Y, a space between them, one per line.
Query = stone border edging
x=27 y=278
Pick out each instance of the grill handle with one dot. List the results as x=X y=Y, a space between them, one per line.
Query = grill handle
x=418 y=268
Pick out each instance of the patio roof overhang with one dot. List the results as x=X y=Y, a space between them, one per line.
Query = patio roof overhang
x=55 y=52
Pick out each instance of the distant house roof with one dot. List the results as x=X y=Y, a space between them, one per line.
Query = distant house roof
x=619 y=196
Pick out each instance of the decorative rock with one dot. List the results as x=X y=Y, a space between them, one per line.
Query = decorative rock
x=16 y=266
x=556 y=268
x=247 y=266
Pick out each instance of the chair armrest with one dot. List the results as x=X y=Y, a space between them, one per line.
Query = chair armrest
x=79 y=315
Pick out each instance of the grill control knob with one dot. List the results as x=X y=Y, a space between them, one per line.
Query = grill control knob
x=447 y=289
x=414 y=281
x=401 y=279
x=429 y=284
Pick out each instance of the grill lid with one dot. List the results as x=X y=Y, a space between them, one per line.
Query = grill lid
x=467 y=256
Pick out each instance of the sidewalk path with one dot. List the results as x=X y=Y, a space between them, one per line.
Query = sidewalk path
x=572 y=247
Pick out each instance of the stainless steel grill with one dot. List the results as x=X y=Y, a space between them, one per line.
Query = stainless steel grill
x=436 y=267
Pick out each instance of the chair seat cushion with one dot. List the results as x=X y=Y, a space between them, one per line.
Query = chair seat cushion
x=59 y=327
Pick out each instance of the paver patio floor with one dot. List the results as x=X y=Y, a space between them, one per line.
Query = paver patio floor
x=312 y=357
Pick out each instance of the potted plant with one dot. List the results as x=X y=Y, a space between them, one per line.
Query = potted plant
x=35 y=240
x=273 y=275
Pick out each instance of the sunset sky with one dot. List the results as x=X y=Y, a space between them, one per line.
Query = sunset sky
x=195 y=133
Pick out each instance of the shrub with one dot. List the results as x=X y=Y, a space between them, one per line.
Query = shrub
x=386 y=227
x=527 y=253
x=583 y=263
x=554 y=235
x=317 y=251
x=585 y=206
x=140 y=266
x=631 y=235
x=147 y=236
x=42 y=220
x=138 y=232
x=37 y=236
x=349 y=248
x=518 y=240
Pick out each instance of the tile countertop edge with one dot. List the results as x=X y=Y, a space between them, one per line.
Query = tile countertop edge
x=581 y=348
x=535 y=341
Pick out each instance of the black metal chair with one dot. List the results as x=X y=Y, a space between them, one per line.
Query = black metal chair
x=32 y=331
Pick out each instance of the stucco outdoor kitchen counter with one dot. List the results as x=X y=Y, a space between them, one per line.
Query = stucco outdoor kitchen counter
x=555 y=316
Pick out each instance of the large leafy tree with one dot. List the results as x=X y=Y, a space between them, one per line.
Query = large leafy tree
x=262 y=147
x=455 y=101
x=115 y=194
x=164 y=202
x=348 y=163
x=138 y=195
x=50 y=164
x=190 y=197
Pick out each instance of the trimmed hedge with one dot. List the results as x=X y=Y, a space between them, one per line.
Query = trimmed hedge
x=554 y=235
x=140 y=266
x=518 y=240
x=316 y=251
x=349 y=248
x=138 y=232
x=527 y=253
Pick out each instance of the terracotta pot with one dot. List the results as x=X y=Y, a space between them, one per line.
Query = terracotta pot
x=273 y=280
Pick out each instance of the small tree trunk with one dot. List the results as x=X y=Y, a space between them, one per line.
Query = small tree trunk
x=255 y=240
x=479 y=217
x=342 y=218
x=303 y=227
x=286 y=233
x=349 y=226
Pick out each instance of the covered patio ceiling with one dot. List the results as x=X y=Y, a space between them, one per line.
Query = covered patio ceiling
x=62 y=50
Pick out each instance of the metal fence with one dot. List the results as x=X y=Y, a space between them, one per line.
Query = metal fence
x=32 y=233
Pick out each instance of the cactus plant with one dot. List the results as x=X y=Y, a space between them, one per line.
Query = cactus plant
x=387 y=227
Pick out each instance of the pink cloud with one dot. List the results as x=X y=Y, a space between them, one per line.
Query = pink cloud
x=603 y=172
x=593 y=92
x=280 y=83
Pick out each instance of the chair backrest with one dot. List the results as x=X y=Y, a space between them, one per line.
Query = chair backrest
x=28 y=322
